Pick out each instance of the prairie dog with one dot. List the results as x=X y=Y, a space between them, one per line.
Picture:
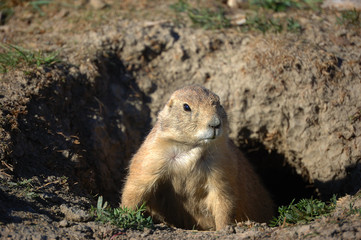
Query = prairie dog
x=189 y=173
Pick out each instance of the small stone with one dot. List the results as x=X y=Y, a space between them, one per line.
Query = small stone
x=236 y=3
x=229 y=229
x=97 y=4
x=248 y=223
x=65 y=154
x=349 y=235
x=64 y=223
x=304 y=230
x=74 y=214
x=146 y=232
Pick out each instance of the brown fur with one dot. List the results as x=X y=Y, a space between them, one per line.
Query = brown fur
x=188 y=172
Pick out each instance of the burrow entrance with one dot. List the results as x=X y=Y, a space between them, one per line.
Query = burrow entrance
x=281 y=179
x=87 y=126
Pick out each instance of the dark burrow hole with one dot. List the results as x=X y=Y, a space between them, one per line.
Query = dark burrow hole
x=281 y=179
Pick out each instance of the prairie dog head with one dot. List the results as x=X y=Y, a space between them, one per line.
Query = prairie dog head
x=193 y=116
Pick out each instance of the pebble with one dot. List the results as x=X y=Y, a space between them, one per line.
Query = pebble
x=64 y=223
x=97 y=4
x=74 y=214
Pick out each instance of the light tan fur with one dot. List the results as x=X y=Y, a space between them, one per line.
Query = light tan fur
x=189 y=173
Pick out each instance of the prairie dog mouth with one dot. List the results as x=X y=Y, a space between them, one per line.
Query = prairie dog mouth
x=209 y=133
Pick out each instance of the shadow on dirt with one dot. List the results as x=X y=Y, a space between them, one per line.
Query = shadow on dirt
x=351 y=184
x=81 y=127
x=15 y=204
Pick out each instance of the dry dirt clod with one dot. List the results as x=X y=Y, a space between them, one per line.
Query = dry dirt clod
x=74 y=214
x=97 y=4
x=64 y=223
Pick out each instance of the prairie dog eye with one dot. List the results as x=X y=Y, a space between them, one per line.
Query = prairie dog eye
x=186 y=107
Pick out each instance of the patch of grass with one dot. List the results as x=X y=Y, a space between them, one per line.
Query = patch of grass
x=208 y=19
x=202 y=17
x=304 y=211
x=23 y=183
x=270 y=24
x=266 y=23
x=122 y=217
x=350 y=18
x=354 y=210
x=36 y=5
x=6 y=7
x=14 y=56
x=180 y=6
x=263 y=24
x=26 y=187
x=293 y=25
x=275 y=5
x=312 y=4
x=284 y=5
x=263 y=20
x=259 y=21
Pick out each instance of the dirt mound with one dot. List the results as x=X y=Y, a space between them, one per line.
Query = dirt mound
x=285 y=94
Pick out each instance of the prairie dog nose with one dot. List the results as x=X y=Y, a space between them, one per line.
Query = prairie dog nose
x=215 y=122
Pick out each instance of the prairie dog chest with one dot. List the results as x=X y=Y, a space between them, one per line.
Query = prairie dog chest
x=184 y=163
x=189 y=171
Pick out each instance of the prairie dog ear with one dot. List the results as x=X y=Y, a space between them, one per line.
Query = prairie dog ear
x=170 y=103
x=167 y=108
